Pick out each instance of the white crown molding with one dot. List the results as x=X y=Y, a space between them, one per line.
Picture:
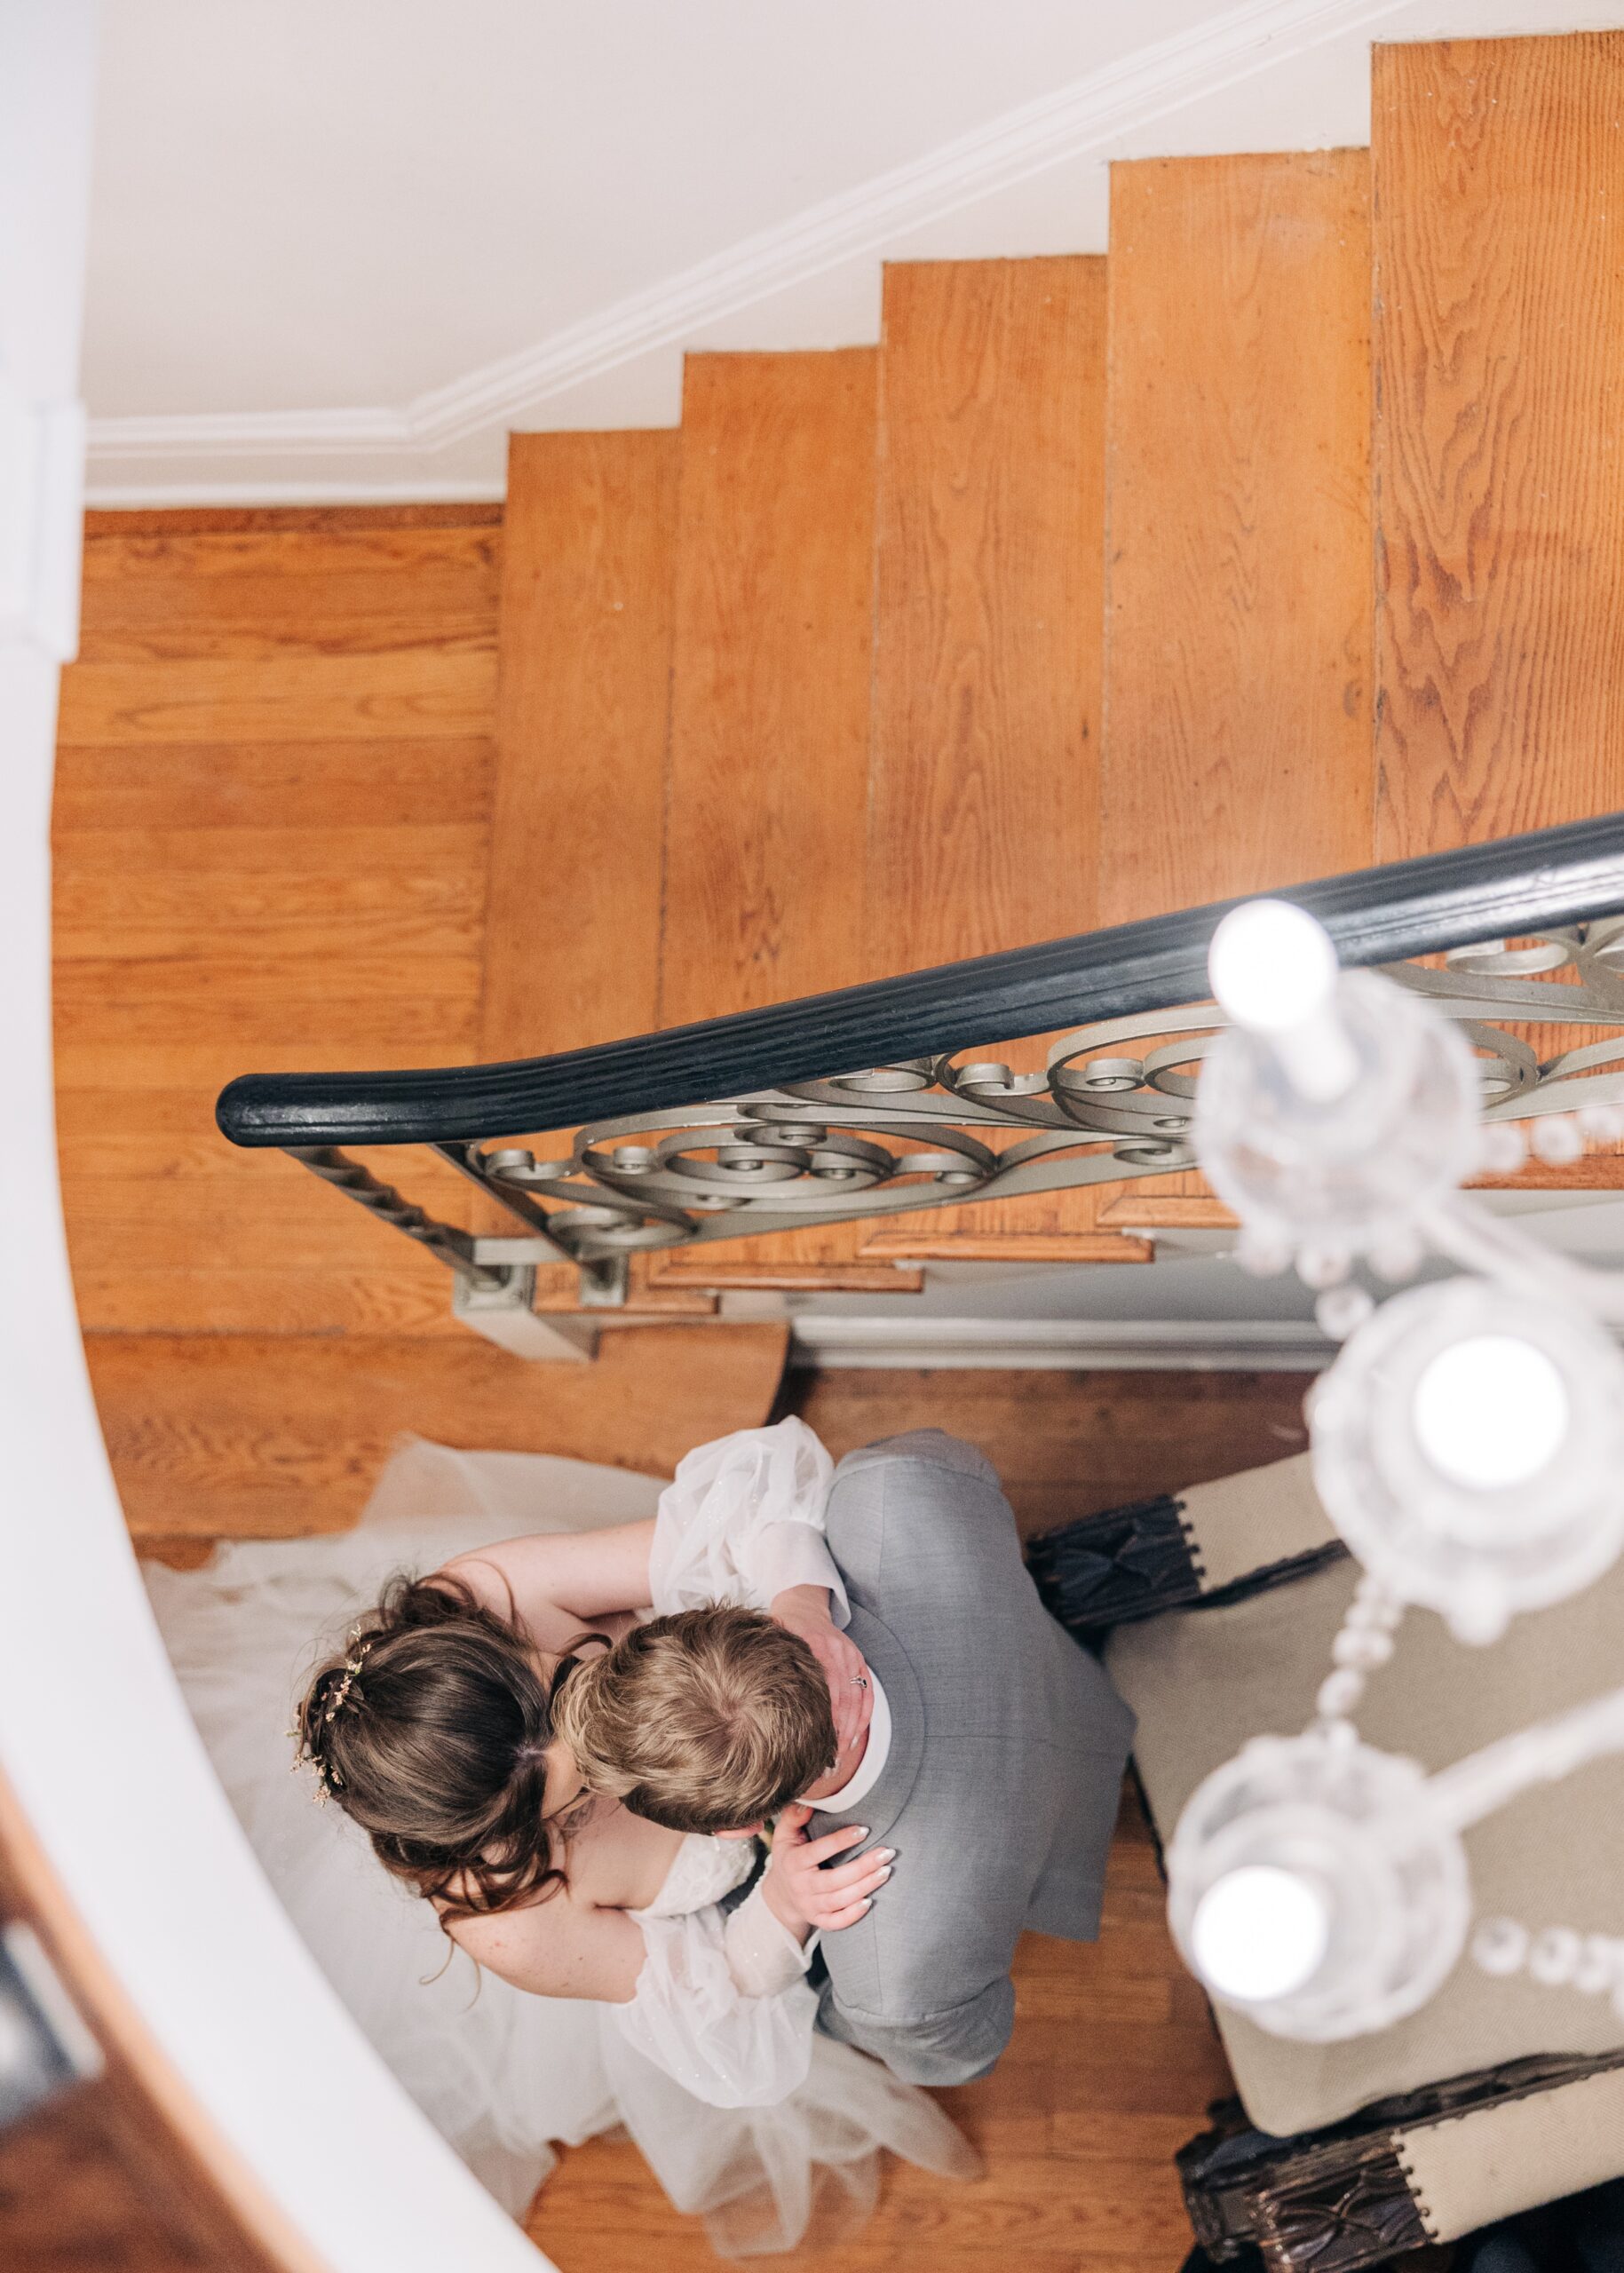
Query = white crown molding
x=1082 y=1345
x=1085 y=118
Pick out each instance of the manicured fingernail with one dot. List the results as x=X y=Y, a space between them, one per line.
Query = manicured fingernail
x=868 y=1901
x=885 y=1873
x=888 y=1854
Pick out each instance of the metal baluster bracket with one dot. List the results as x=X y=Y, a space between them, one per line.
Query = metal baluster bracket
x=494 y=1297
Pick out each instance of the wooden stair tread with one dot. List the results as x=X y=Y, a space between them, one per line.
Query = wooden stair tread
x=769 y=733
x=577 y=852
x=257 y=1436
x=1500 y=491
x=1500 y=496
x=261 y=891
x=986 y=702
x=1237 y=680
x=973 y=753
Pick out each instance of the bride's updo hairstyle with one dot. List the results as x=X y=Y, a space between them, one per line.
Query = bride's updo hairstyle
x=431 y=1732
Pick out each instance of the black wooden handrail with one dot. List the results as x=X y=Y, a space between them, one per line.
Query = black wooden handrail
x=1520 y=885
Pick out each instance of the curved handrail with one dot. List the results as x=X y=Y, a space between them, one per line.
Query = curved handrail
x=1501 y=890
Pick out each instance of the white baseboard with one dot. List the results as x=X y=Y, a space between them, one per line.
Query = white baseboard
x=1081 y=1345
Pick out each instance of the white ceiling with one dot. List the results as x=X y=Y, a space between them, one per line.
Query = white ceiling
x=339 y=247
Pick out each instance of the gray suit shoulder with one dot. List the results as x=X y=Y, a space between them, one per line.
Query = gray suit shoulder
x=928 y=1447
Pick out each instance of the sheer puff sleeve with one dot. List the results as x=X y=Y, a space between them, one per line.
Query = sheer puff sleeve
x=691 y=2017
x=743 y=1520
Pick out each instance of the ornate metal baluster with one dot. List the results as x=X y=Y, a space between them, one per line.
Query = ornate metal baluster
x=450 y=1246
x=1113 y=1100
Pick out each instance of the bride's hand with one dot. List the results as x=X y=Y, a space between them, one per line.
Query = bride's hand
x=801 y=1894
x=805 y=1611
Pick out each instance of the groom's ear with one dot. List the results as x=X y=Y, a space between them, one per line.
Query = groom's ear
x=745 y=1830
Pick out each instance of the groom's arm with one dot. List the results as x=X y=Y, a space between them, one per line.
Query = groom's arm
x=954 y=2046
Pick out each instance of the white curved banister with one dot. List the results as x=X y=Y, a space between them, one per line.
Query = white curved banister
x=95 y=1746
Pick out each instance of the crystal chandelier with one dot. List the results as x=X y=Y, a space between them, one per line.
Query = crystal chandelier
x=1467 y=1443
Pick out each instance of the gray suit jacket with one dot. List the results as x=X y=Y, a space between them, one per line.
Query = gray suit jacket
x=1000 y=1790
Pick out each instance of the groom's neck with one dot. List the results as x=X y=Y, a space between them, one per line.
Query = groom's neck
x=840 y=1775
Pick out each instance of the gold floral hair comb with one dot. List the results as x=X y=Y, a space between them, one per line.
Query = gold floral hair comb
x=329 y=1777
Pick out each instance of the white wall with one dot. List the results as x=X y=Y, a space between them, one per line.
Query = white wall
x=339 y=251
x=94 y=1739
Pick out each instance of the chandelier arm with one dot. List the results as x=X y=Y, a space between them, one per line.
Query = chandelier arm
x=1481 y=1784
x=1469 y=1235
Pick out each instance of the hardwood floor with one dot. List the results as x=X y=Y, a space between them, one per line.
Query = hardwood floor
x=1069 y=1444
x=271 y=843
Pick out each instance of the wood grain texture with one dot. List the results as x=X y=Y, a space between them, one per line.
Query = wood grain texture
x=1068 y=1444
x=1499 y=170
x=244 y=901
x=769 y=693
x=579 y=812
x=984 y=799
x=770 y=712
x=988 y=662
x=1238 y=752
x=252 y=618
x=1499 y=458
x=300 y=786
x=1177 y=1202
x=758 y=1262
x=174 y=918
x=349 y=522
x=409 y=694
x=1238 y=707
x=973 y=1235
x=251 y=1436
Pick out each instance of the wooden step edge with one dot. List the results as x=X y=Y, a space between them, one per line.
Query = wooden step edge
x=1007 y=1247
x=1595 y=1172
x=1169 y=1211
x=696 y=1269
x=557 y=1289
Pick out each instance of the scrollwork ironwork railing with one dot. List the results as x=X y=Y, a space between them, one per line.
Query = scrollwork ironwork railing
x=747 y=1125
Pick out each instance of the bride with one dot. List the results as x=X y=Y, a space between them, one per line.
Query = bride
x=626 y=1972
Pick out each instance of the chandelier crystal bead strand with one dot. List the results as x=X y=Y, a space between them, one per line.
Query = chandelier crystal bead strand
x=1467 y=1444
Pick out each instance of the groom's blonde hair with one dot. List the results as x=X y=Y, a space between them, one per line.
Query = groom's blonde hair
x=708 y=1720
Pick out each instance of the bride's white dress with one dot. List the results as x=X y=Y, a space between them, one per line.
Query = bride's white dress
x=501 y=2074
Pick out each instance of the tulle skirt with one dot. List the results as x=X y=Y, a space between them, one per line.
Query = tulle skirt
x=501 y=2074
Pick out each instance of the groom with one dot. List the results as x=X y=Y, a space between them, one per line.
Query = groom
x=991 y=1763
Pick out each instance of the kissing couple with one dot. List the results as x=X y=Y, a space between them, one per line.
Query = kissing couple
x=768 y=1782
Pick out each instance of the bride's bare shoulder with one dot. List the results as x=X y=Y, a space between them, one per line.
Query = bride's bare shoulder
x=565 y=1945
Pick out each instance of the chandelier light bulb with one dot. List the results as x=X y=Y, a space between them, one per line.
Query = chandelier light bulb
x=1490 y=1411
x=1271 y=966
x=1467 y=1444
x=1310 y=1887
x=1260 y=1932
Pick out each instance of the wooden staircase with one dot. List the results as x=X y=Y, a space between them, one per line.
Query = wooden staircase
x=1288 y=536
x=1283 y=539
